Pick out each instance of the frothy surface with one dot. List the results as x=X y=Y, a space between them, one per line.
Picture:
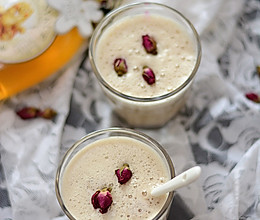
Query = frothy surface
x=172 y=65
x=94 y=168
x=37 y=35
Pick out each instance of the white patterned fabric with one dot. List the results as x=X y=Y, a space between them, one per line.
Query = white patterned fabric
x=218 y=129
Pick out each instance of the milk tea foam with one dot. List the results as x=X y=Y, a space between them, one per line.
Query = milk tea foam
x=37 y=30
x=93 y=168
x=172 y=65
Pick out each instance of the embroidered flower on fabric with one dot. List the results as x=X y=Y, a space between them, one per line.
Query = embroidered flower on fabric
x=76 y=13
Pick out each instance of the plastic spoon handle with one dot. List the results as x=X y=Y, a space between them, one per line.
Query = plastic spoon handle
x=179 y=181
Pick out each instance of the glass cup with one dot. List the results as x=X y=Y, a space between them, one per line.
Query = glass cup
x=115 y=132
x=136 y=111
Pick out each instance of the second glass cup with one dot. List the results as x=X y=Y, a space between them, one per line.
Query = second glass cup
x=89 y=167
x=145 y=57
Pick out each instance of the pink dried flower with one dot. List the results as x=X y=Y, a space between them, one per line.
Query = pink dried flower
x=28 y=113
x=47 y=113
x=123 y=174
x=33 y=112
x=148 y=75
x=253 y=97
x=120 y=66
x=102 y=199
x=149 y=44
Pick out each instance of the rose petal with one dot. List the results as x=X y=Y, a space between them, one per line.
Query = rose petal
x=120 y=66
x=102 y=199
x=148 y=75
x=253 y=97
x=28 y=113
x=124 y=174
x=149 y=44
x=94 y=199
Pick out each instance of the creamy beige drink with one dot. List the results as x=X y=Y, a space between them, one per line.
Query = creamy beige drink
x=173 y=64
x=93 y=168
x=27 y=29
x=121 y=37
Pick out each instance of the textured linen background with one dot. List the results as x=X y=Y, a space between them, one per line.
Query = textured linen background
x=219 y=129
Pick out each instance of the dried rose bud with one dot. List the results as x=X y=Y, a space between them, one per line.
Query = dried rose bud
x=148 y=75
x=253 y=97
x=28 y=113
x=258 y=70
x=32 y=112
x=102 y=199
x=120 y=66
x=123 y=174
x=149 y=44
x=47 y=113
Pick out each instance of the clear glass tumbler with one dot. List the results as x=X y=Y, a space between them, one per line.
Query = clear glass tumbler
x=104 y=134
x=145 y=112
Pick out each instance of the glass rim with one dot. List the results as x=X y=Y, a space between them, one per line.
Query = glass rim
x=121 y=130
x=110 y=16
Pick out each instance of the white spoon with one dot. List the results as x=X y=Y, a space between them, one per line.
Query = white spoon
x=179 y=181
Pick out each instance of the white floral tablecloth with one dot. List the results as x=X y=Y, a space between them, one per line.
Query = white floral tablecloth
x=218 y=129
